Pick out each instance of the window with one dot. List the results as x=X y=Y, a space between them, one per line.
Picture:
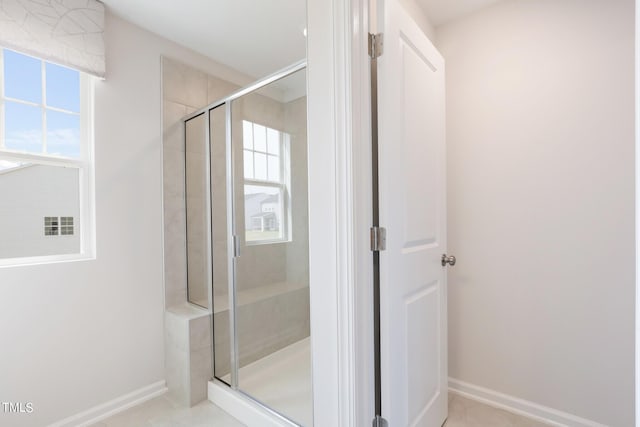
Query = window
x=266 y=198
x=66 y=226
x=50 y=225
x=45 y=159
x=58 y=226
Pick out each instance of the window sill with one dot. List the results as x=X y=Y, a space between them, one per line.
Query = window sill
x=44 y=260
x=266 y=242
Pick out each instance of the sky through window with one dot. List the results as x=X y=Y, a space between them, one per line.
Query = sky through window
x=41 y=106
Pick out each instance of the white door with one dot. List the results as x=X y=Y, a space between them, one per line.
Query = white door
x=411 y=86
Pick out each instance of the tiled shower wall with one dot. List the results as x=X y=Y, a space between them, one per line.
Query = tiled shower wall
x=185 y=90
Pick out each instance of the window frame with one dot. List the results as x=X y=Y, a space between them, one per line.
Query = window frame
x=283 y=185
x=84 y=164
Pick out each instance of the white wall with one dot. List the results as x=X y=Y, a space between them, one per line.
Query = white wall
x=75 y=335
x=540 y=123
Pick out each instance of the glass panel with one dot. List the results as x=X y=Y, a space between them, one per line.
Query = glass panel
x=263 y=213
x=248 y=164
x=63 y=134
x=197 y=208
x=273 y=141
x=34 y=199
x=23 y=127
x=259 y=138
x=272 y=278
x=247 y=135
x=273 y=164
x=221 y=312
x=260 y=164
x=22 y=77
x=63 y=87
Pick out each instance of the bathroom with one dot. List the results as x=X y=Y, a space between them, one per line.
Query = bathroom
x=540 y=182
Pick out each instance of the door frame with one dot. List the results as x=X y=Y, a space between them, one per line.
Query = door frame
x=340 y=212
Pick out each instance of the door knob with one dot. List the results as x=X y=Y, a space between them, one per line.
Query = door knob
x=451 y=260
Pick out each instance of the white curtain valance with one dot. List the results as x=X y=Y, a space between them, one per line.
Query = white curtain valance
x=68 y=32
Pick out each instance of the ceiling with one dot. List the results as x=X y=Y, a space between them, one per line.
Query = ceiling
x=255 y=37
x=443 y=11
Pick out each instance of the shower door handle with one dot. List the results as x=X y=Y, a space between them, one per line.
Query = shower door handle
x=451 y=260
x=236 y=246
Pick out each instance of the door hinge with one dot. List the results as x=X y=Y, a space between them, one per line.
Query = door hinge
x=376 y=45
x=378 y=239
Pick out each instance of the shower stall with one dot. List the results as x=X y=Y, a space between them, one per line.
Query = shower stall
x=246 y=194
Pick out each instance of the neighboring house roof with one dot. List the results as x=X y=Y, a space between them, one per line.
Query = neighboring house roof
x=5 y=168
x=264 y=215
x=255 y=196
x=274 y=198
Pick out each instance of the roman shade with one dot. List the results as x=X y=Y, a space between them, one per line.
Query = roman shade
x=67 y=32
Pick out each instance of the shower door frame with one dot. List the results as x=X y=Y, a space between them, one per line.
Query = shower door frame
x=233 y=246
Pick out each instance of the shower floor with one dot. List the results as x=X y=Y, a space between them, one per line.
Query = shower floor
x=282 y=381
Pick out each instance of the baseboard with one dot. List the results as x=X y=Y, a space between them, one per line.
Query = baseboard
x=119 y=404
x=518 y=406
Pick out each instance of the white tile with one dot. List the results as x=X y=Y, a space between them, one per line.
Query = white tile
x=177 y=331
x=175 y=296
x=177 y=376
x=183 y=84
x=141 y=415
x=177 y=358
x=175 y=268
x=201 y=415
x=200 y=333
x=282 y=381
x=174 y=215
x=201 y=364
x=218 y=89
x=468 y=413
x=201 y=373
x=173 y=172
x=162 y=412
x=173 y=126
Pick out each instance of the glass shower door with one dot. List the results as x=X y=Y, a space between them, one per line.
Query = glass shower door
x=270 y=201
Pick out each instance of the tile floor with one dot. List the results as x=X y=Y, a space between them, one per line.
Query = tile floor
x=469 y=413
x=282 y=381
x=161 y=412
